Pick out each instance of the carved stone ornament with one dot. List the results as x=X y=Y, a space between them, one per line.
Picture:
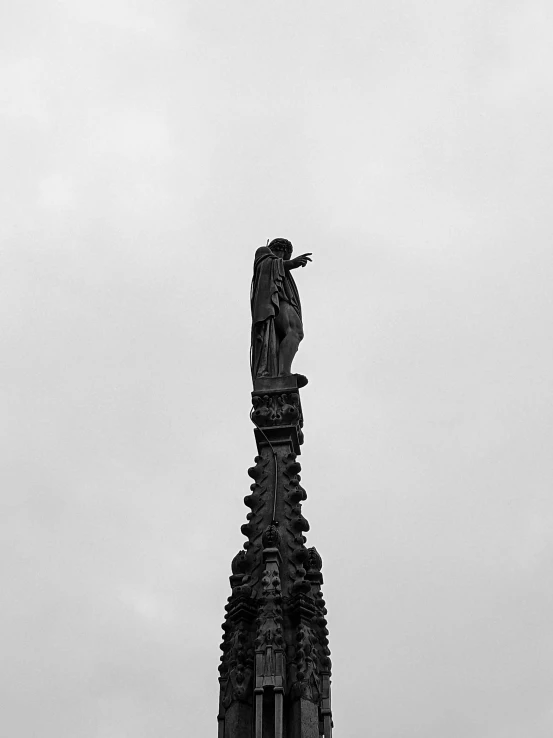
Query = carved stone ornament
x=307 y=684
x=271 y=537
x=239 y=668
x=270 y=616
x=276 y=409
x=237 y=663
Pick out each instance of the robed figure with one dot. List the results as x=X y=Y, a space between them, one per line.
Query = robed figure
x=277 y=327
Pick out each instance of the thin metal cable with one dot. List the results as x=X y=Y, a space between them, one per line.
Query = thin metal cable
x=275 y=487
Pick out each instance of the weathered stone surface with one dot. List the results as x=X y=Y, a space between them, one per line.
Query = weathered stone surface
x=304 y=720
x=236 y=722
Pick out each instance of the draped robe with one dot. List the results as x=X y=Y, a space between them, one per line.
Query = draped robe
x=271 y=285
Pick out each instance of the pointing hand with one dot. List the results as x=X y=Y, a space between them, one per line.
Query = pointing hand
x=302 y=260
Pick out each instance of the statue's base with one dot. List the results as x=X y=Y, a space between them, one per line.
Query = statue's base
x=277 y=411
x=289 y=382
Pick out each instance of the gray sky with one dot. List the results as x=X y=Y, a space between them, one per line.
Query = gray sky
x=148 y=148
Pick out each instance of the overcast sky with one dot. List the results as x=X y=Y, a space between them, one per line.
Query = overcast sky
x=148 y=148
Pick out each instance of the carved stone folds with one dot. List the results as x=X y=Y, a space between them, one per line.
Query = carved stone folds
x=275 y=666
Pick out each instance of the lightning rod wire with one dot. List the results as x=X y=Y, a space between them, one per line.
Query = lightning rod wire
x=275 y=458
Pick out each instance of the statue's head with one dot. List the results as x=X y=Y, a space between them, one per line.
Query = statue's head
x=281 y=247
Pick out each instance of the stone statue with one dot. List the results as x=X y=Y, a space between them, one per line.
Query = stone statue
x=277 y=327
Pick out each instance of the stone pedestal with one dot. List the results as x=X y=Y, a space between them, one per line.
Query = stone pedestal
x=275 y=667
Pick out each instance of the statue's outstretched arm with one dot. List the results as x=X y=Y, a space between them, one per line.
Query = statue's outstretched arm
x=299 y=261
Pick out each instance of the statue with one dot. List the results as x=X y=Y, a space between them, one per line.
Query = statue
x=277 y=327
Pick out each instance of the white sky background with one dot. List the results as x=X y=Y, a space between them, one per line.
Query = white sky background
x=148 y=149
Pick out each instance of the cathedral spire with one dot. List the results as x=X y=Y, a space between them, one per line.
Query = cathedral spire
x=275 y=667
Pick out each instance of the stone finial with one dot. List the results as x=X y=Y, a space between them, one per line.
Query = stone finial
x=238 y=564
x=314 y=560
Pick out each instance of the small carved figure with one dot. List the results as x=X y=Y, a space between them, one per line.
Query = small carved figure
x=271 y=537
x=277 y=327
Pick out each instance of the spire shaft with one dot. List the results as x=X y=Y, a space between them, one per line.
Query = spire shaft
x=275 y=668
